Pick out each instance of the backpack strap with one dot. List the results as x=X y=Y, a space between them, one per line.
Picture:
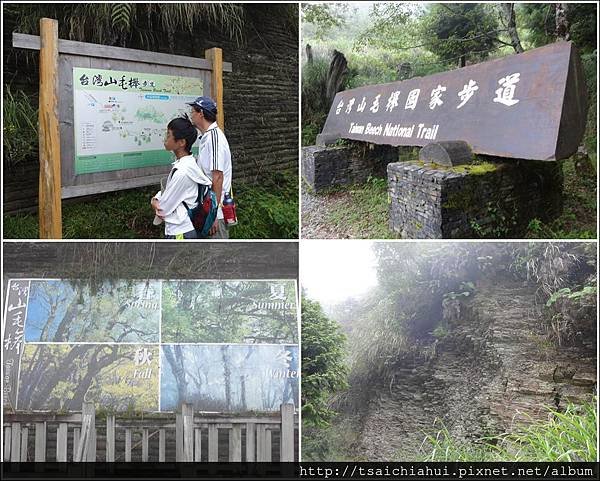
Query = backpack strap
x=202 y=190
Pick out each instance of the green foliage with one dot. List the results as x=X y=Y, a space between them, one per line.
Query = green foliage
x=590 y=63
x=225 y=313
x=567 y=436
x=269 y=211
x=324 y=17
x=314 y=107
x=329 y=443
x=440 y=332
x=105 y=375
x=565 y=291
x=538 y=21
x=324 y=371
x=121 y=15
x=20 y=136
x=570 y=312
x=391 y=27
x=360 y=211
x=454 y=31
x=119 y=23
x=578 y=219
x=465 y=290
x=582 y=18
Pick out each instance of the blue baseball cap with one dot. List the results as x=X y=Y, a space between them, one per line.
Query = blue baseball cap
x=205 y=103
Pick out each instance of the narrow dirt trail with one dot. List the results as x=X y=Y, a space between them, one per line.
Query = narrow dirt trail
x=486 y=373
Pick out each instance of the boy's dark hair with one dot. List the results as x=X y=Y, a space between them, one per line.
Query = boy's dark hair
x=182 y=128
x=210 y=116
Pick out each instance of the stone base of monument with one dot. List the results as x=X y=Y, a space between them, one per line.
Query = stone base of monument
x=492 y=200
x=324 y=167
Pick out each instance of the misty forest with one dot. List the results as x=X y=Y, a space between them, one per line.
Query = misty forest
x=462 y=352
x=226 y=378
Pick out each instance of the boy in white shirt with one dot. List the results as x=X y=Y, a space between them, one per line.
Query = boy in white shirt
x=182 y=182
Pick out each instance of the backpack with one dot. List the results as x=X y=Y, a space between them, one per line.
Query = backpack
x=204 y=214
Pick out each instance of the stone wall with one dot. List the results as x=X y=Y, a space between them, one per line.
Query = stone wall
x=260 y=95
x=489 y=200
x=324 y=167
x=492 y=369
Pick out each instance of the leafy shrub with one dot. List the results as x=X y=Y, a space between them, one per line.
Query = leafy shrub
x=20 y=132
x=568 y=436
x=314 y=104
x=267 y=211
x=589 y=62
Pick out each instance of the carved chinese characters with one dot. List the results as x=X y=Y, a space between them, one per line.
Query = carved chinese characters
x=529 y=106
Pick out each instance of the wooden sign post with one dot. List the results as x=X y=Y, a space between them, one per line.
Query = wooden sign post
x=50 y=218
x=215 y=57
x=81 y=151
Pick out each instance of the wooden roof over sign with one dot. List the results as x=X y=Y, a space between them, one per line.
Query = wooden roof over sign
x=527 y=106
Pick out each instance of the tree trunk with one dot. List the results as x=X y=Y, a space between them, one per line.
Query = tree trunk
x=309 y=54
x=94 y=368
x=562 y=24
x=227 y=375
x=66 y=365
x=338 y=71
x=511 y=25
x=177 y=369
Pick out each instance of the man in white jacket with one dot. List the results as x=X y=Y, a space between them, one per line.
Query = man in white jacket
x=182 y=182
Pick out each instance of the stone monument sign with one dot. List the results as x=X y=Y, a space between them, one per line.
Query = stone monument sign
x=526 y=106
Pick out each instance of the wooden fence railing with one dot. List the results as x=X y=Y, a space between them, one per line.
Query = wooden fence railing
x=42 y=436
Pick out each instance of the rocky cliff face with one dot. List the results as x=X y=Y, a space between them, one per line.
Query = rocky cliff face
x=493 y=368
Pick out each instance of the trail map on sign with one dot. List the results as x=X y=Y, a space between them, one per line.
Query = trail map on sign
x=120 y=118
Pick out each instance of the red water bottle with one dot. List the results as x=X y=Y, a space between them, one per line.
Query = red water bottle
x=229 y=215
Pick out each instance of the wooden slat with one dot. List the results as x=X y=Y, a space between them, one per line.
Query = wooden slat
x=24 y=443
x=213 y=444
x=178 y=437
x=268 y=418
x=215 y=56
x=110 y=186
x=89 y=411
x=7 y=443
x=49 y=208
x=287 y=433
x=197 y=445
x=250 y=442
x=110 y=438
x=235 y=444
x=161 y=445
x=15 y=444
x=267 y=446
x=127 y=445
x=145 y=445
x=32 y=42
x=76 y=441
x=82 y=441
x=260 y=443
x=61 y=443
x=40 y=443
x=40 y=417
x=92 y=448
x=188 y=432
